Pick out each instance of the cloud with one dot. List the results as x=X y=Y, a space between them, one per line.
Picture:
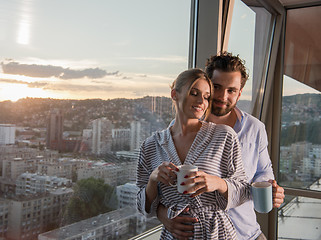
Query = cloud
x=80 y=88
x=42 y=71
x=31 y=84
x=61 y=86
x=142 y=75
x=171 y=59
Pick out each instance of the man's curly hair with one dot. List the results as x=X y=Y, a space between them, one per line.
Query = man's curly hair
x=226 y=62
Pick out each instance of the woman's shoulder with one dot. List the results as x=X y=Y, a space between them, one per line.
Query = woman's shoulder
x=158 y=137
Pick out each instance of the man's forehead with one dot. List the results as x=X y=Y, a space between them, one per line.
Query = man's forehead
x=223 y=78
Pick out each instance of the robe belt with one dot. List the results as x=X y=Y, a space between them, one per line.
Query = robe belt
x=177 y=209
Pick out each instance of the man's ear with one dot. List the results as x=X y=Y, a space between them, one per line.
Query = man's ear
x=174 y=94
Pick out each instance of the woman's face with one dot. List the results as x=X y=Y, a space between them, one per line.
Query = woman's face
x=196 y=100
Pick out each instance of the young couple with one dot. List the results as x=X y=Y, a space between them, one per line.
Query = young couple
x=219 y=206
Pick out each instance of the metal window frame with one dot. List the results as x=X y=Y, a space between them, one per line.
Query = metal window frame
x=205 y=41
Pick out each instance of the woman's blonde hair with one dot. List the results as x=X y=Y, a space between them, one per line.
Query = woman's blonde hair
x=189 y=77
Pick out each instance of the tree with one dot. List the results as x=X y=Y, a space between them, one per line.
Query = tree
x=91 y=197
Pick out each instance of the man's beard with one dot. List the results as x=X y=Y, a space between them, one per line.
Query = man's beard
x=218 y=111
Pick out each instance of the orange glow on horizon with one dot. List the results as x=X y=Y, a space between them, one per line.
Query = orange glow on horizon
x=14 y=92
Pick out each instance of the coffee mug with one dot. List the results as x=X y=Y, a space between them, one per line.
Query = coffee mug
x=183 y=171
x=262 y=196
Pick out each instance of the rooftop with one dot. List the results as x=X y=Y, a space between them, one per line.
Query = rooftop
x=90 y=224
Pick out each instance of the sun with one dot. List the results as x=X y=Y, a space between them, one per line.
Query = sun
x=14 y=92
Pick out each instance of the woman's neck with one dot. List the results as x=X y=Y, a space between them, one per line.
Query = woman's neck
x=183 y=126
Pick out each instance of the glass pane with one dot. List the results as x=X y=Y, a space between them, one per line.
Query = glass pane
x=302 y=59
x=300 y=147
x=82 y=84
x=300 y=218
x=250 y=38
x=300 y=158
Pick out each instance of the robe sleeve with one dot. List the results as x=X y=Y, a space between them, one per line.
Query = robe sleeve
x=237 y=184
x=143 y=173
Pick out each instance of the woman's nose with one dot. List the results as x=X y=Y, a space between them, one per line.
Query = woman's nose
x=201 y=99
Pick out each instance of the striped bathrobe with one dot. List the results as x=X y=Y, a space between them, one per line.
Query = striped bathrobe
x=216 y=151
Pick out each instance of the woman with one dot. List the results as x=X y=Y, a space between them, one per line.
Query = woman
x=220 y=181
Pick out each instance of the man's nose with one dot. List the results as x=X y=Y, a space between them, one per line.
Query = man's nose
x=220 y=94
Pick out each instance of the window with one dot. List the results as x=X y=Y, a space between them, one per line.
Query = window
x=69 y=80
x=250 y=38
x=300 y=142
x=300 y=139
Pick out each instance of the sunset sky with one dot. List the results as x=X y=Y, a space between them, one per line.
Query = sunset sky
x=96 y=49
x=91 y=49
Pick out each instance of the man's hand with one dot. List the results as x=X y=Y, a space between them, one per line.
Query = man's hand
x=278 y=194
x=177 y=226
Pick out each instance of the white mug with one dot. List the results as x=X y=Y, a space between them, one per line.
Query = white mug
x=183 y=171
x=262 y=196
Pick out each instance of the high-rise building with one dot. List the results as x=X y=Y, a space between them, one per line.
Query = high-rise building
x=139 y=131
x=120 y=139
x=55 y=130
x=101 y=136
x=86 y=142
x=7 y=134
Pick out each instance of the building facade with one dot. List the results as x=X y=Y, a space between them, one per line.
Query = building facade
x=55 y=130
x=7 y=134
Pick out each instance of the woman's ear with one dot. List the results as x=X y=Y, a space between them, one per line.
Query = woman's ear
x=173 y=94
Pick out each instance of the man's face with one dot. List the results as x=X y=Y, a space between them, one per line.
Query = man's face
x=227 y=91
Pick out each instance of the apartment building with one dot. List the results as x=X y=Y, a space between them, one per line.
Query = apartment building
x=33 y=214
x=31 y=183
x=112 y=174
x=7 y=134
x=118 y=224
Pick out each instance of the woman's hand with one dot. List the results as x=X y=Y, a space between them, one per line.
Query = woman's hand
x=164 y=173
x=204 y=183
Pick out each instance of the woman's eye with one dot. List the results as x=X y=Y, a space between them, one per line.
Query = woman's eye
x=194 y=93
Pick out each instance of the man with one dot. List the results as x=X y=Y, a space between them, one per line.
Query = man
x=229 y=75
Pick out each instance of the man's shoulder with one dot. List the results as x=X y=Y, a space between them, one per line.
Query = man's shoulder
x=250 y=120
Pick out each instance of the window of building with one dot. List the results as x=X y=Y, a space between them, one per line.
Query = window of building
x=67 y=80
